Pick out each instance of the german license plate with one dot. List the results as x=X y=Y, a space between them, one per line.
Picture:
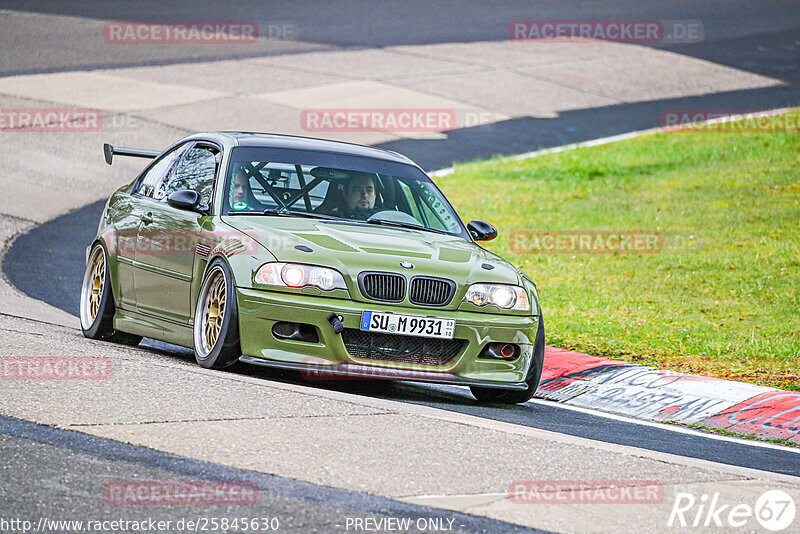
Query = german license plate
x=409 y=325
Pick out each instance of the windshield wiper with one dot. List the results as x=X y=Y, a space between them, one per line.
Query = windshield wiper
x=384 y=222
x=283 y=212
x=293 y=213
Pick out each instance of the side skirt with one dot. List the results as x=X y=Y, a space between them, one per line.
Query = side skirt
x=152 y=327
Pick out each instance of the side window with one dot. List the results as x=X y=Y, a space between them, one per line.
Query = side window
x=195 y=170
x=154 y=176
x=255 y=186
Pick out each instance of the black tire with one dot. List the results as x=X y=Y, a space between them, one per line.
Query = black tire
x=509 y=396
x=223 y=351
x=97 y=302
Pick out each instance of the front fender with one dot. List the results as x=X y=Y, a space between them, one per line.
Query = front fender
x=243 y=255
x=530 y=286
x=537 y=362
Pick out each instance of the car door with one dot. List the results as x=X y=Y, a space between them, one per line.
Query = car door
x=126 y=214
x=167 y=237
x=126 y=220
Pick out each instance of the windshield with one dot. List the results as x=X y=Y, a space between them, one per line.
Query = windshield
x=261 y=182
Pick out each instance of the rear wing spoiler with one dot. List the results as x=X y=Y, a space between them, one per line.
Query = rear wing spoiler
x=109 y=152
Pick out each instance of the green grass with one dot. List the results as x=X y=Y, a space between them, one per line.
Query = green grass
x=722 y=297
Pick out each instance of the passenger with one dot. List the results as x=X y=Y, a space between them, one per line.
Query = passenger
x=243 y=198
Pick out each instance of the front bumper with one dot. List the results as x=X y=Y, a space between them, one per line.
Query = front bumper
x=259 y=310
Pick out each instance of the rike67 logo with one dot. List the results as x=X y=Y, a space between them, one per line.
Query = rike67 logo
x=774 y=510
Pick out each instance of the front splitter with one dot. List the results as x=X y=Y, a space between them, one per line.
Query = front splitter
x=344 y=371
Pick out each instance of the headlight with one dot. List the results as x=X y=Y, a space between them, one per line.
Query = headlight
x=297 y=275
x=502 y=296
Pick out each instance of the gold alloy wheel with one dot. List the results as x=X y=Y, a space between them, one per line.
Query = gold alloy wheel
x=97 y=281
x=214 y=310
x=94 y=281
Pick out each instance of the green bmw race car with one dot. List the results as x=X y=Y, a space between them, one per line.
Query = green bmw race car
x=333 y=259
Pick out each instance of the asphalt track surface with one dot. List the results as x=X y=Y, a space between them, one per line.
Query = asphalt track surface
x=758 y=37
x=79 y=226
x=42 y=454
x=48 y=262
x=736 y=26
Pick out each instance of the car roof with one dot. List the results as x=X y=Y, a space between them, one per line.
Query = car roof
x=255 y=139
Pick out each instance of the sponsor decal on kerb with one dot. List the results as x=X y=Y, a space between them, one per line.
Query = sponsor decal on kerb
x=774 y=414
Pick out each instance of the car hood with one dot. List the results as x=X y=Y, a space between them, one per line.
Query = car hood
x=352 y=247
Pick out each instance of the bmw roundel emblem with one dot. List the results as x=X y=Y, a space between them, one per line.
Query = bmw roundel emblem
x=406 y=265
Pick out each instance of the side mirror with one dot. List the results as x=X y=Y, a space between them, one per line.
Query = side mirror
x=185 y=199
x=481 y=230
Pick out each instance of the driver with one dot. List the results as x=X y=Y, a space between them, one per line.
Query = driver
x=359 y=198
x=359 y=194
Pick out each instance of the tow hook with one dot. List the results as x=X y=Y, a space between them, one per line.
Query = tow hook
x=336 y=323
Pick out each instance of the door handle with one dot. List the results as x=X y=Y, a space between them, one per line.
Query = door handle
x=147 y=218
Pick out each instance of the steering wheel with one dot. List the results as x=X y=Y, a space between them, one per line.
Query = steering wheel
x=394 y=216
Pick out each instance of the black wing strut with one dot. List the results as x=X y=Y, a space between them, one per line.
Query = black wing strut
x=109 y=152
